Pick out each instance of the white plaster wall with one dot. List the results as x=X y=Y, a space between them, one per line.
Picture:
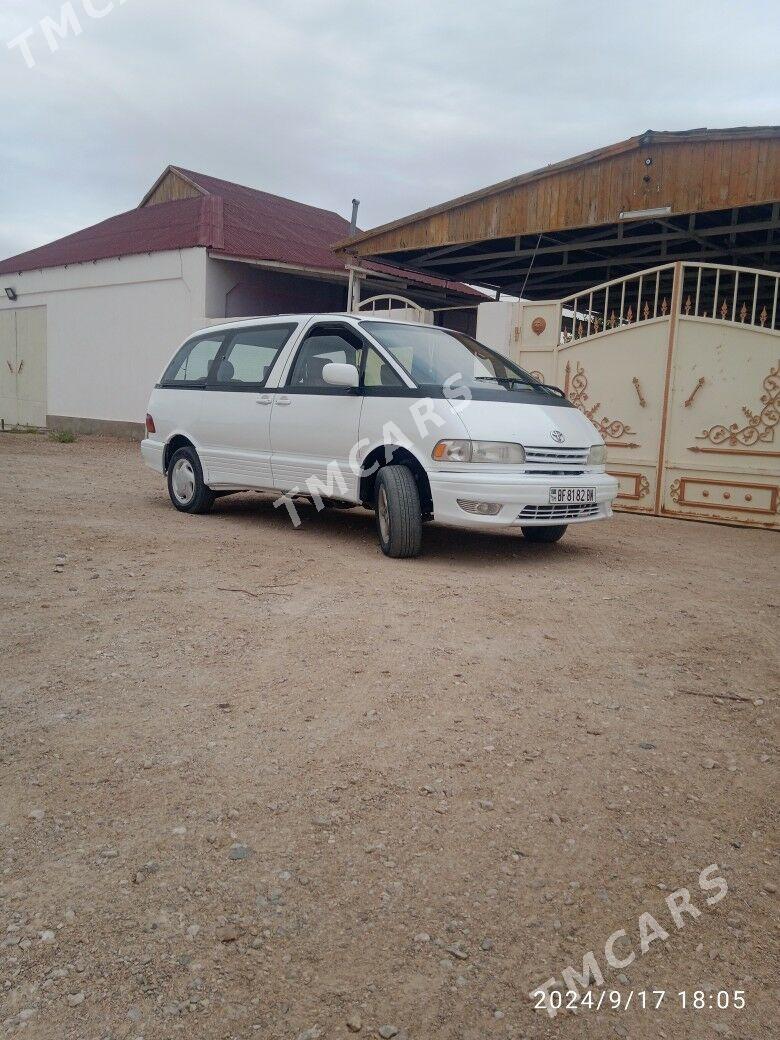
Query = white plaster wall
x=112 y=326
x=496 y=324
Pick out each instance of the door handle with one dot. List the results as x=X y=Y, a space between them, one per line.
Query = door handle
x=263 y=399
x=283 y=399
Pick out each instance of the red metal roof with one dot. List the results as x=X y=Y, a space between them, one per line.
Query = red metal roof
x=227 y=218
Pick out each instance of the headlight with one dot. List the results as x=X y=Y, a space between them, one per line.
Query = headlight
x=502 y=452
x=597 y=455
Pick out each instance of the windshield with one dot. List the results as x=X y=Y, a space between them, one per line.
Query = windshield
x=440 y=357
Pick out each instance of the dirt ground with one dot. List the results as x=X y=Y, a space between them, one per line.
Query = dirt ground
x=265 y=782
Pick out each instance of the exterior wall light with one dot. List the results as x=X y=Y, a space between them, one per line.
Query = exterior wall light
x=644 y=214
x=10 y=293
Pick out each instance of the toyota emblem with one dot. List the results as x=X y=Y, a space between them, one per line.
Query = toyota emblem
x=557 y=436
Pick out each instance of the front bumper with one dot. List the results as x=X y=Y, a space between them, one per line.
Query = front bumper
x=524 y=498
x=152 y=454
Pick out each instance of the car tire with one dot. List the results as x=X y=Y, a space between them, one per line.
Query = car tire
x=186 y=487
x=398 y=512
x=553 y=533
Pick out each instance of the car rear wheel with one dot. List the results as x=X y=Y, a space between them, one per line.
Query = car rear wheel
x=398 y=512
x=185 y=483
x=553 y=533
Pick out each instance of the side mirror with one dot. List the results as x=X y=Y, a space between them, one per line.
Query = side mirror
x=337 y=374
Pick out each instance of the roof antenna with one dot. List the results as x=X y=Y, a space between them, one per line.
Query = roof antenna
x=353 y=221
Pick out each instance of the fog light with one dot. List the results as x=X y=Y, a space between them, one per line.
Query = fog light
x=483 y=508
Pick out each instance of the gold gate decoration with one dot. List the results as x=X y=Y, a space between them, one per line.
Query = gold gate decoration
x=677 y=352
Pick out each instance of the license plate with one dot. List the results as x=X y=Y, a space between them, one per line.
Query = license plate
x=572 y=495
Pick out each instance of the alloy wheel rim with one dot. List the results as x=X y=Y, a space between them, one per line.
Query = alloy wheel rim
x=183 y=481
x=383 y=513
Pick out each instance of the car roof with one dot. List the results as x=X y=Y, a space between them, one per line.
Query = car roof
x=270 y=319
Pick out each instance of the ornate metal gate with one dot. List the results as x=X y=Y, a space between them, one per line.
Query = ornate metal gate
x=679 y=369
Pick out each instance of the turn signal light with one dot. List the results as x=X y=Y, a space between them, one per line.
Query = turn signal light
x=150 y=424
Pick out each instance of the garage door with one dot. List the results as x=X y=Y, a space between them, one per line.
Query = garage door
x=23 y=366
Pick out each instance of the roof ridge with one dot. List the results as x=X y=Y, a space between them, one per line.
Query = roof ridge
x=197 y=180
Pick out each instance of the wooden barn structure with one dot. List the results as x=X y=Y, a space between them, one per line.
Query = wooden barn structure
x=648 y=274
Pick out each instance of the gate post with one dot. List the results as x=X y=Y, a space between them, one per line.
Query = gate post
x=673 y=319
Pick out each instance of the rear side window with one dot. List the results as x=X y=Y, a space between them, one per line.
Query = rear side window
x=249 y=356
x=193 y=362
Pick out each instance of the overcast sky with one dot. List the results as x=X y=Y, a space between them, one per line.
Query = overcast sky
x=402 y=104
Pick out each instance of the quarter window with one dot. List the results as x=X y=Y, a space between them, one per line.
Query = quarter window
x=192 y=363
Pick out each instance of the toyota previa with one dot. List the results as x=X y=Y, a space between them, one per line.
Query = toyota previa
x=413 y=421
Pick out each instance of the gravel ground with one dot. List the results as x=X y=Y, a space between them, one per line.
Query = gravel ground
x=260 y=782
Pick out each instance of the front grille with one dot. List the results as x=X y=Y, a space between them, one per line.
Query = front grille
x=572 y=458
x=559 y=512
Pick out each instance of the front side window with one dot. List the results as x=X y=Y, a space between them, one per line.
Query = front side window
x=379 y=372
x=320 y=347
x=193 y=362
x=249 y=356
x=442 y=357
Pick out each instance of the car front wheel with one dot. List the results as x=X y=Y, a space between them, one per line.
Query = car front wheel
x=185 y=483
x=553 y=533
x=398 y=512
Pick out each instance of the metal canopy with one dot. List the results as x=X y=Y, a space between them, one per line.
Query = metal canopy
x=708 y=196
x=551 y=264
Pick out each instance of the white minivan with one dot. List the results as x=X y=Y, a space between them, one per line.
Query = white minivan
x=412 y=421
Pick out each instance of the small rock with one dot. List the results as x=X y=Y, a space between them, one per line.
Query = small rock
x=179 y=830
x=228 y=933
x=48 y=936
x=709 y=763
x=310 y=1034
x=388 y=1032
x=457 y=951
x=354 y=1022
x=647 y=746
x=109 y=853
x=36 y=814
x=74 y=999
x=238 y=851
x=422 y=937
x=486 y=944
x=770 y=886
x=26 y=1014
x=485 y=804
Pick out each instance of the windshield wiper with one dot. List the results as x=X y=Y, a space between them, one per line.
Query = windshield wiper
x=507 y=381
